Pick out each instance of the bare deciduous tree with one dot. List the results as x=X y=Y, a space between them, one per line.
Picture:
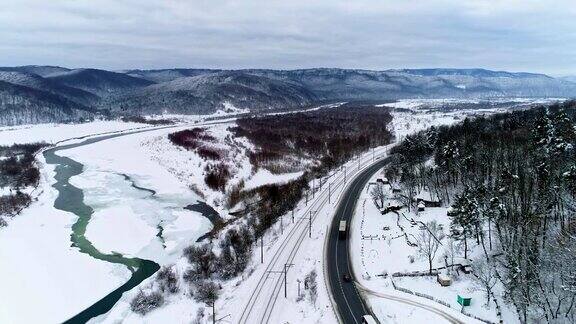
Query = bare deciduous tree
x=378 y=195
x=429 y=241
x=208 y=292
x=452 y=250
x=485 y=275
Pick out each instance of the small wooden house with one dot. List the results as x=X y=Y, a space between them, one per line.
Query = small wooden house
x=421 y=206
x=451 y=212
x=383 y=181
x=444 y=280
x=429 y=203
x=390 y=208
x=466 y=269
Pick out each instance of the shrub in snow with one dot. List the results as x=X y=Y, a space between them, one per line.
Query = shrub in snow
x=217 y=176
x=199 y=316
x=209 y=153
x=3 y=222
x=190 y=138
x=144 y=303
x=311 y=284
x=18 y=169
x=206 y=292
x=12 y=204
x=167 y=280
x=236 y=250
x=234 y=195
x=202 y=262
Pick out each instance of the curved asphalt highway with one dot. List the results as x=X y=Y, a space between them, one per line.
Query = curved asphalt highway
x=350 y=305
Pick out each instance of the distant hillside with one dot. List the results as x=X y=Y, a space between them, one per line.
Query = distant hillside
x=39 y=83
x=426 y=83
x=570 y=78
x=207 y=93
x=24 y=105
x=204 y=91
x=167 y=75
x=477 y=73
x=99 y=82
x=41 y=70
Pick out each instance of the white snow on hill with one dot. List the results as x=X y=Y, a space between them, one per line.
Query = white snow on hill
x=46 y=272
x=53 y=133
x=190 y=168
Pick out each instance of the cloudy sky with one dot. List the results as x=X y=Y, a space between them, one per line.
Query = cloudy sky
x=514 y=35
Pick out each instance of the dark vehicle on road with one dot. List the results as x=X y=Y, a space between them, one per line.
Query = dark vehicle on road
x=347 y=278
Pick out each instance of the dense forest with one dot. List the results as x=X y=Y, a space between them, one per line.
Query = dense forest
x=17 y=171
x=327 y=136
x=510 y=180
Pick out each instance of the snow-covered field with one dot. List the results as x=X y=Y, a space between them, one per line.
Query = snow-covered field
x=380 y=246
x=41 y=270
x=413 y=115
x=52 y=133
x=419 y=104
x=190 y=169
x=46 y=272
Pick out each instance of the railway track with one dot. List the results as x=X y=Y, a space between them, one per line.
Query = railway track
x=268 y=293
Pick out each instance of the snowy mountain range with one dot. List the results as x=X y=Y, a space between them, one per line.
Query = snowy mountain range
x=34 y=94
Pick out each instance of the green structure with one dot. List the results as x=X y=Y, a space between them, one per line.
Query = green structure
x=464 y=301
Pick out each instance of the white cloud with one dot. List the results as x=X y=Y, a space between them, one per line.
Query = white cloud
x=501 y=34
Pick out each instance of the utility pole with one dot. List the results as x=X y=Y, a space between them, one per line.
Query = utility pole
x=262 y=249
x=306 y=197
x=344 y=174
x=313 y=188
x=310 y=226
x=292 y=216
x=281 y=225
x=359 y=163
x=286 y=266
x=285 y=280
x=285 y=273
x=298 y=280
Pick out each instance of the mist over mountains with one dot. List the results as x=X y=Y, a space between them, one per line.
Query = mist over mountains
x=36 y=94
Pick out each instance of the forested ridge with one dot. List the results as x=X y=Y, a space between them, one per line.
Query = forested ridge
x=510 y=180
